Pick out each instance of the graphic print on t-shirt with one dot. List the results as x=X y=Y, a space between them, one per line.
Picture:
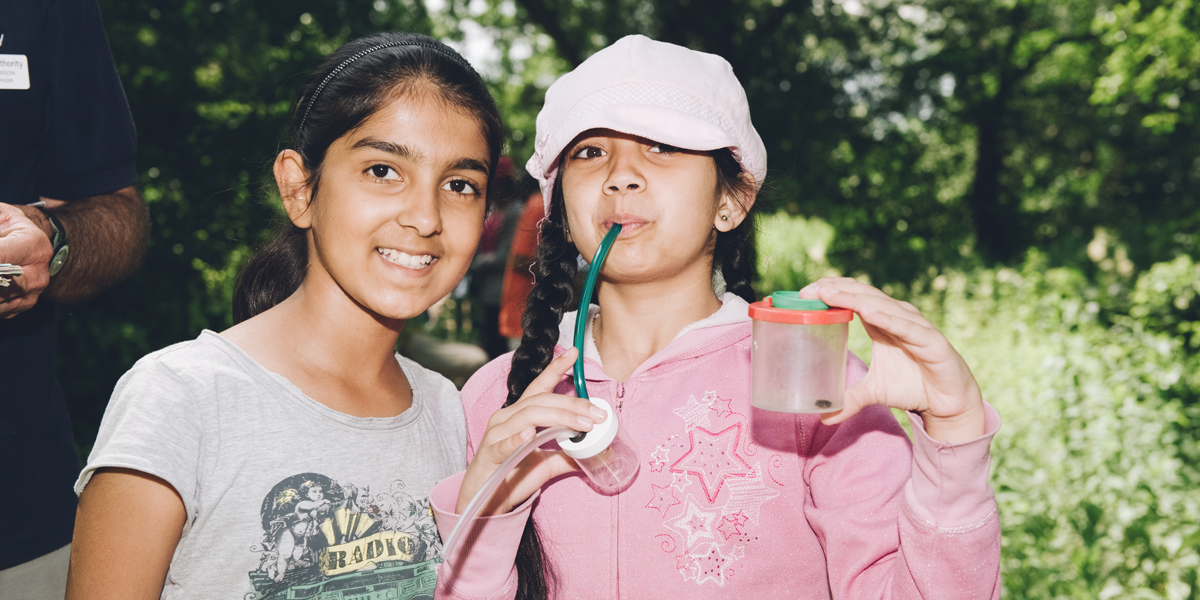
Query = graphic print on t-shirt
x=337 y=539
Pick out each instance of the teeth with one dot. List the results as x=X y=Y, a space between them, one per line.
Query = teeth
x=405 y=260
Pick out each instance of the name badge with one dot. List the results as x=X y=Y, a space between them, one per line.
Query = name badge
x=14 y=72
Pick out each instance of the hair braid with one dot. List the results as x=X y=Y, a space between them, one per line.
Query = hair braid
x=553 y=291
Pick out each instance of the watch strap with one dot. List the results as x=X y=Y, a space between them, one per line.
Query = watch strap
x=58 y=240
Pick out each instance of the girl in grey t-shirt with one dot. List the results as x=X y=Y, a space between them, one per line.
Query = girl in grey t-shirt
x=292 y=455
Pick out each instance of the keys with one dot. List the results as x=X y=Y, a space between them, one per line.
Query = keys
x=7 y=272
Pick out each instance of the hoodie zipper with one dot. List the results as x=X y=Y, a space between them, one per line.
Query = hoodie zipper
x=617 y=498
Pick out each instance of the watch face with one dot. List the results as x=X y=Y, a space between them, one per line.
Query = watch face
x=56 y=263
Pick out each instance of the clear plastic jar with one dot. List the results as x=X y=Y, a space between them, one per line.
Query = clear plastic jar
x=606 y=454
x=798 y=354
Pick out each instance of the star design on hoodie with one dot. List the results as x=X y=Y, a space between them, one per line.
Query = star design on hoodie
x=694 y=413
x=680 y=481
x=684 y=564
x=695 y=523
x=723 y=407
x=714 y=457
x=729 y=527
x=747 y=495
x=660 y=458
x=663 y=499
x=710 y=564
x=716 y=403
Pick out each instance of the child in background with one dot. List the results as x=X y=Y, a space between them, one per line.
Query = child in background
x=731 y=501
x=293 y=452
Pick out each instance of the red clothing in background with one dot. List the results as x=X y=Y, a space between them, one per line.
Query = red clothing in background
x=518 y=278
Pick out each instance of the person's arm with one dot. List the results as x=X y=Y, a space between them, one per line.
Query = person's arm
x=482 y=567
x=107 y=239
x=108 y=236
x=126 y=530
x=141 y=484
x=902 y=521
x=484 y=564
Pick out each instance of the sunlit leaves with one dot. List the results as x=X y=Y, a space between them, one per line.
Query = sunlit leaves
x=1155 y=57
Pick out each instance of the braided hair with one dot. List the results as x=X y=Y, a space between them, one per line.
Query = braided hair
x=554 y=292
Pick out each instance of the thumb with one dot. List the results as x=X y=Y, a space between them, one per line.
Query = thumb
x=853 y=401
x=552 y=374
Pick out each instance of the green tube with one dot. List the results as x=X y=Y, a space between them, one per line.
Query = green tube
x=585 y=301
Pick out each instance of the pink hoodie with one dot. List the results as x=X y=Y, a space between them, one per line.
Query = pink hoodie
x=733 y=501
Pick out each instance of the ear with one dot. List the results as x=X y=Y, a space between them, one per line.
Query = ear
x=733 y=208
x=292 y=179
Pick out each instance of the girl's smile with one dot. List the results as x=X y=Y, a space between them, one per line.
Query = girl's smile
x=407 y=260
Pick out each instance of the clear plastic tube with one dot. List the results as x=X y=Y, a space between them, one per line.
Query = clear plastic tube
x=493 y=482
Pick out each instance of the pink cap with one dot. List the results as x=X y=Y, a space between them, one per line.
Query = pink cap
x=655 y=90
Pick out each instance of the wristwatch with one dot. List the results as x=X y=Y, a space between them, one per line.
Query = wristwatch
x=58 y=240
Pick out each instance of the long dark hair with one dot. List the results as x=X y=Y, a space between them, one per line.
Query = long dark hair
x=554 y=293
x=353 y=83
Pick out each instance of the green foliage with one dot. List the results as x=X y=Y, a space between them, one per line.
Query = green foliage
x=791 y=252
x=1095 y=470
x=1155 y=54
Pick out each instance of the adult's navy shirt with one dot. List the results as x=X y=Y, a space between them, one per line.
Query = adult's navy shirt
x=69 y=136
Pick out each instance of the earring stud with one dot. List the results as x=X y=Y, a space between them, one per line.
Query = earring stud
x=724 y=217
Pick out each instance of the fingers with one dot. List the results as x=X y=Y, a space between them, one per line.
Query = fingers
x=828 y=286
x=540 y=407
x=17 y=305
x=881 y=314
x=510 y=444
x=544 y=410
x=552 y=374
x=853 y=401
x=22 y=292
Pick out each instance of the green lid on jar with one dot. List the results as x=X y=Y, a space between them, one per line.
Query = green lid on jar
x=793 y=301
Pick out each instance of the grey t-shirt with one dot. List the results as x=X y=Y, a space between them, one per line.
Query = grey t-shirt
x=285 y=497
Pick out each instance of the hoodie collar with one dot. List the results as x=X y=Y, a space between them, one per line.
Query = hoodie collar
x=734 y=311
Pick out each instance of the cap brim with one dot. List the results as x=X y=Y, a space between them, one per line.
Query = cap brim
x=656 y=123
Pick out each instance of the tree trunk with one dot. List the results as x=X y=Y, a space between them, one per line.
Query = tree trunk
x=997 y=224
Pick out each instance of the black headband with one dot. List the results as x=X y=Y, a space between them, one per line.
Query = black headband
x=345 y=63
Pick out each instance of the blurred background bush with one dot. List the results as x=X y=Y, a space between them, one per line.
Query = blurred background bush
x=1026 y=172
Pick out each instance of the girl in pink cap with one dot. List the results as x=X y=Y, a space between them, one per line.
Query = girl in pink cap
x=730 y=501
